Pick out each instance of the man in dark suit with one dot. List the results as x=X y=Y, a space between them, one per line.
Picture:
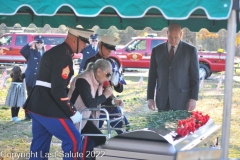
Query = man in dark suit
x=90 y=51
x=174 y=74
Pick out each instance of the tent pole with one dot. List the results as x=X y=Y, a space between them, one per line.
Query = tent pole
x=228 y=85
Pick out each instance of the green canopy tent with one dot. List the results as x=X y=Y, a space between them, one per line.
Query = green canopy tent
x=157 y=14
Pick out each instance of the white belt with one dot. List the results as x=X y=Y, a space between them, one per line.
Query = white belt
x=42 y=83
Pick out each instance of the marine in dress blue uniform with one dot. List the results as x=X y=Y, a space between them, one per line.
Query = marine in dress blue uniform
x=48 y=104
x=33 y=57
x=90 y=51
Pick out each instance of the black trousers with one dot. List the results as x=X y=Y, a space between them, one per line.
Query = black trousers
x=15 y=111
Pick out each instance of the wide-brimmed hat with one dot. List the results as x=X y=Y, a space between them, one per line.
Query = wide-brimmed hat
x=82 y=34
x=109 y=42
x=39 y=38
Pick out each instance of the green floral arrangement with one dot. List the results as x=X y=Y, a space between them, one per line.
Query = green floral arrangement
x=165 y=119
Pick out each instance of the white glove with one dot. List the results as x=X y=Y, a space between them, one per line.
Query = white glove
x=77 y=117
x=115 y=78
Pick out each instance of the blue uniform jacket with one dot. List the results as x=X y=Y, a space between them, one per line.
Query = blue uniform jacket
x=87 y=53
x=33 y=57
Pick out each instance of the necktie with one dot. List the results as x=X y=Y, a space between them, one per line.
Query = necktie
x=171 y=53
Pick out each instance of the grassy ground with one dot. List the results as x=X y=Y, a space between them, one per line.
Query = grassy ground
x=16 y=137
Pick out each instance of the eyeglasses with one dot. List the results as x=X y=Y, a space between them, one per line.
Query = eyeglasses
x=39 y=42
x=94 y=40
x=108 y=75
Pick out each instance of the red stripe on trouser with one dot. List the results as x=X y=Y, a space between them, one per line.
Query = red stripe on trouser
x=85 y=147
x=71 y=136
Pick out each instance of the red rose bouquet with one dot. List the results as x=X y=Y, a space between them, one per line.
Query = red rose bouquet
x=181 y=122
x=192 y=123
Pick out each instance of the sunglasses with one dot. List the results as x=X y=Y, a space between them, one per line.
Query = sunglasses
x=108 y=75
x=94 y=40
x=39 y=42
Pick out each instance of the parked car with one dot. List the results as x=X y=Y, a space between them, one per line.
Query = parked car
x=11 y=44
x=137 y=54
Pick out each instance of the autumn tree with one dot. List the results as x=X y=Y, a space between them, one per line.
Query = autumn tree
x=126 y=35
x=237 y=44
x=207 y=39
x=188 y=36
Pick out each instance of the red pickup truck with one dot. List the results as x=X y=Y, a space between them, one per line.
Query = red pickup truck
x=137 y=53
x=11 y=44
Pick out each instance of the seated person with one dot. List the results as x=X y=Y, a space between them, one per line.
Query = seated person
x=105 y=47
x=86 y=91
